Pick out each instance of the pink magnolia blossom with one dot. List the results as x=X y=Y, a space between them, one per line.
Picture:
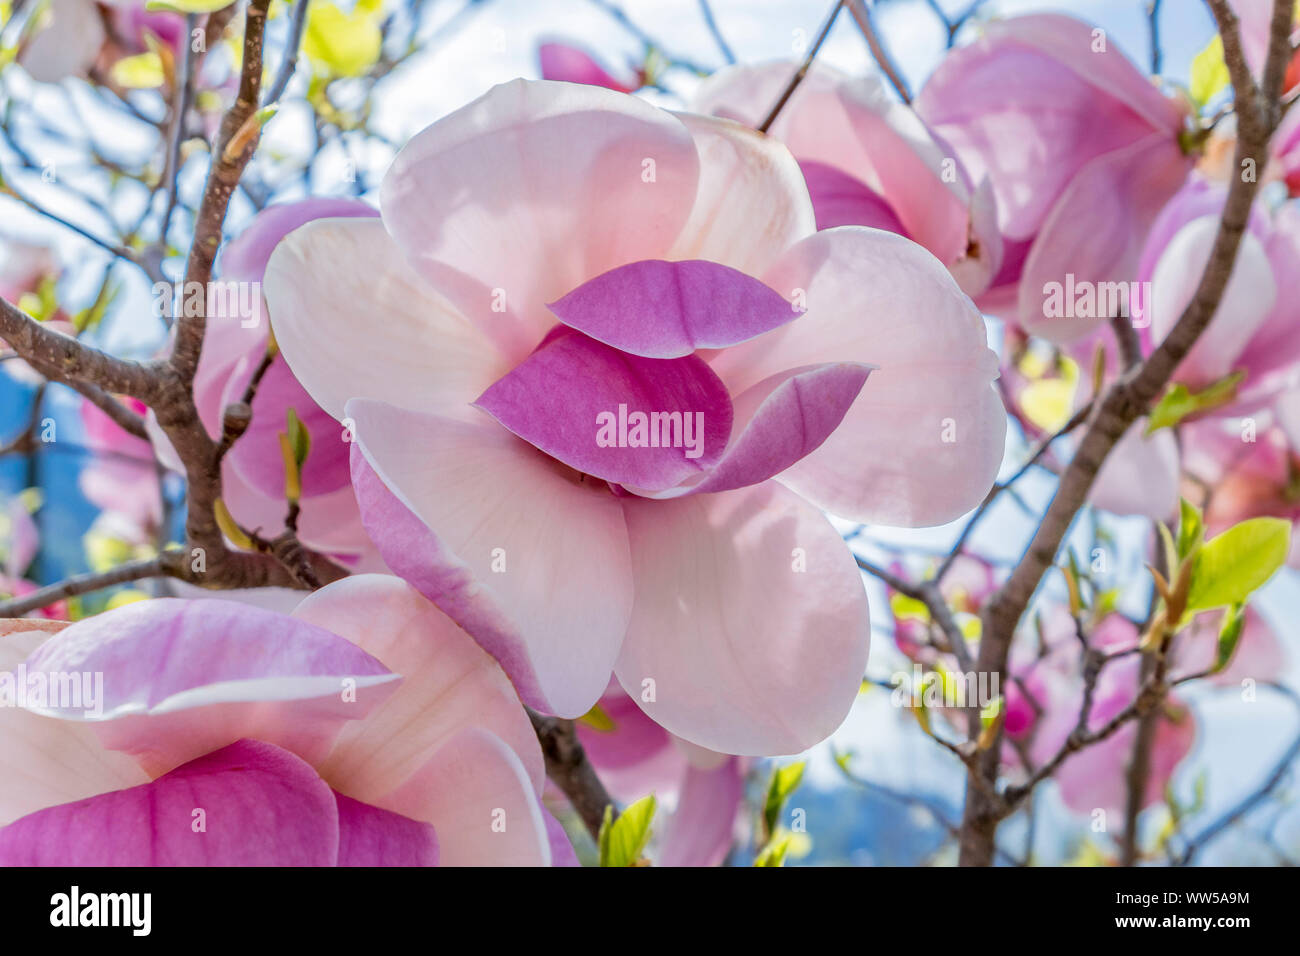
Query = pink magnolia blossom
x=365 y=729
x=20 y=540
x=233 y=347
x=479 y=467
x=1246 y=472
x=704 y=790
x=562 y=61
x=1254 y=328
x=1095 y=777
x=1081 y=148
x=75 y=35
x=868 y=160
x=121 y=475
x=24 y=268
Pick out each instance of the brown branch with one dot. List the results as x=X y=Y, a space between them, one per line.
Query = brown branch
x=862 y=16
x=65 y=359
x=1127 y=399
x=568 y=766
x=804 y=67
x=223 y=177
x=86 y=583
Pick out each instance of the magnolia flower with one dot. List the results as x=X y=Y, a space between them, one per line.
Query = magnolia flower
x=366 y=729
x=20 y=540
x=1246 y=469
x=551 y=256
x=121 y=475
x=868 y=160
x=234 y=344
x=1082 y=151
x=71 y=36
x=560 y=61
x=703 y=790
x=1094 y=777
x=1255 y=326
x=28 y=273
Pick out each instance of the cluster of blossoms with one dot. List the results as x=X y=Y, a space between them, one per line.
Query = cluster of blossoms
x=557 y=252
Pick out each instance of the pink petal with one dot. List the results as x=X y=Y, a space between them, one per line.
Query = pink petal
x=665 y=310
x=780 y=421
x=352 y=320
x=1095 y=230
x=1030 y=103
x=852 y=125
x=743 y=173
x=44 y=761
x=531 y=190
x=842 y=200
x=572 y=397
x=476 y=794
x=182 y=678
x=923 y=442
x=257 y=457
x=261 y=806
x=744 y=652
x=562 y=852
x=559 y=61
x=370 y=836
x=69 y=43
x=700 y=832
x=244 y=258
x=448 y=682
x=1140 y=476
x=447 y=501
x=1244 y=307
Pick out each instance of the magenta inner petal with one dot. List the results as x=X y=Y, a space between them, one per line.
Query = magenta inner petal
x=842 y=200
x=256 y=456
x=248 y=804
x=372 y=836
x=652 y=423
x=664 y=310
x=781 y=420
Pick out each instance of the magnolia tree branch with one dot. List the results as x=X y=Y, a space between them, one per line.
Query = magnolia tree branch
x=861 y=12
x=567 y=765
x=166 y=386
x=1123 y=403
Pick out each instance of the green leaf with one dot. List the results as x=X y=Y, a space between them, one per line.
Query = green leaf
x=144 y=71
x=1229 y=634
x=597 y=719
x=774 y=853
x=1179 y=401
x=344 y=44
x=1233 y=564
x=785 y=780
x=623 y=840
x=1191 y=529
x=299 y=437
x=1209 y=72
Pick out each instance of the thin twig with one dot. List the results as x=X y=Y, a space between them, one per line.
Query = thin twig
x=804 y=67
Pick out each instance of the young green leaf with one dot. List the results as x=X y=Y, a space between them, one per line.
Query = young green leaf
x=1179 y=401
x=623 y=840
x=1229 y=634
x=299 y=437
x=785 y=780
x=1233 y=564
x=774 y=853
x=1191 y=528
